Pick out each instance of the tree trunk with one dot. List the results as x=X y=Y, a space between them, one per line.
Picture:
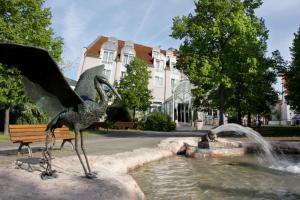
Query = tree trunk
x=239 y=116
x=133 y=118
x=221 y=109
x=258 y=121
x=6 y=121
x=248 y=119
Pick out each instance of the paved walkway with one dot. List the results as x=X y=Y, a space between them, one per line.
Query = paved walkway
x=106 y=144
x=110 y=143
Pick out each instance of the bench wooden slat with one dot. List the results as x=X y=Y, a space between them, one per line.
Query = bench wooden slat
x=32 y=133
x=12 y=126
x=29 y=138
x=33 y=129
x=19 y=133
x=24 y=134
x=32 y=138
x=27 y=134
x=22 y=130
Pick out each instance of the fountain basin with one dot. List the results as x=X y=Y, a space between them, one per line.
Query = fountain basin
x=224 y=147
x=220 y=148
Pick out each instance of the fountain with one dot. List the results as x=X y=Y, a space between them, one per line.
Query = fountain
x=213 y=146
x=225 y=169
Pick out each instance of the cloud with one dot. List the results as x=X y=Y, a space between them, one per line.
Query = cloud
x=281 y=19
x=73 y=28
x=141 y=25
x=279 y=8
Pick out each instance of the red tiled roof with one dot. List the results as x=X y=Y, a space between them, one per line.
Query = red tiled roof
x=142 y=52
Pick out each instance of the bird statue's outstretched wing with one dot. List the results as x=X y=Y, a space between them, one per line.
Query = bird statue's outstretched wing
x=85 y=86
x=42 y=80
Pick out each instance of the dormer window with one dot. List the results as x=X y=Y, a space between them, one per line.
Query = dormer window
x=159 y=65
x=155 y=54
x=107 y=73
x=172 y=65
x=127 y=58
x=108 y=57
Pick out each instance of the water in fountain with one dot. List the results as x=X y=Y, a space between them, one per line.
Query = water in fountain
x=269 y=156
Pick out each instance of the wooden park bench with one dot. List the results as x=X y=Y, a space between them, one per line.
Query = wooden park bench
x=124 y=125
x=26 y=134
x=118 y=125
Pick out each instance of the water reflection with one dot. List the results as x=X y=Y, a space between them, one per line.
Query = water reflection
x=180 y=178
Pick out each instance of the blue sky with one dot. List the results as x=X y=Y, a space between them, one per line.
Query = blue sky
x=149 y=22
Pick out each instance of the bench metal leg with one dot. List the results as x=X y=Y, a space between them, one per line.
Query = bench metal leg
x=63 y=143
x=20 y=148
x=28 y=148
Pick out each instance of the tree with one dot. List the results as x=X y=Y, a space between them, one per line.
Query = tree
x=11 y=91
x=24 y=22
x=133 y=88
x=223 y=45
x=293 y=75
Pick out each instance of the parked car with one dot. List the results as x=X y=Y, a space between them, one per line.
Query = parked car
x=296 y=120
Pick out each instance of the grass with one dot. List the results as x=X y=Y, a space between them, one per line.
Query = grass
x=3 y=137
x=271 y=131
x=279 y=131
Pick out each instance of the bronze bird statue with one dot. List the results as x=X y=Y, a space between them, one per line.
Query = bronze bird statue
x=45 y=85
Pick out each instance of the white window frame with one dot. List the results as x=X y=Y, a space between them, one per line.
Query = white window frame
x=158 y=81
x=159 y=65
x=108 y=57
x=155 y=54
x=174 y=83
x=107 y=73
x=123 y=74
x=127 y=58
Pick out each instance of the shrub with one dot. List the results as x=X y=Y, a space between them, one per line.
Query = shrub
x=28 y=113
x=118 y=112
x=159 y=122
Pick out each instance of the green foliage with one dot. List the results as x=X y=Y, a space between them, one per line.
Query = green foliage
x=4 y=137
x=133 y=88
x=29 y=113
x=29 y=22
x=293 y=75
x=223 y=54
x=279 y=131
x=24 y=22
x=159 y=122
x=11 y=91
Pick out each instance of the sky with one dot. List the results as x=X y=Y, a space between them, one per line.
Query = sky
x=149 y=22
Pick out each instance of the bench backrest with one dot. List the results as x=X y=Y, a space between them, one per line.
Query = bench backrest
x=34 y=132
x=124 y=125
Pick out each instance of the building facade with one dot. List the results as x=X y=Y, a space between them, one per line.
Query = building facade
x=171 y=91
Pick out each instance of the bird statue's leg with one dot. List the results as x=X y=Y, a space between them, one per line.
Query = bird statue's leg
x=47 y=157
x=76 y=149
x=90 y=174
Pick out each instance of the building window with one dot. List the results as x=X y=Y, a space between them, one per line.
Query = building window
x=159 y=65
x=173 y=64
x=127 y=58
x=107 y=73
x=123 y=74
x=108 y=57
x=158 y=81
x=155 y=54
x=174 y=83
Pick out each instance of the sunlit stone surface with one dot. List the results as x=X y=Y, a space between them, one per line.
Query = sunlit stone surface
x=112 y=180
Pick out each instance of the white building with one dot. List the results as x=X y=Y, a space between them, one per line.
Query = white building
x=284 y=112
x=116 y=54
